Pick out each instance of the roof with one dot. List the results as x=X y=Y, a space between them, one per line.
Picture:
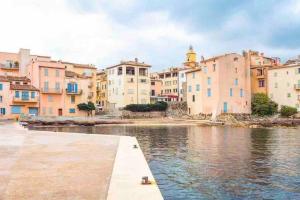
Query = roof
x=80 y=65
x=132 y=63
x=217 y=57
x=74 y=74
x=23 y=87
x=194 y=70
x=14 y=78
x=285 y=66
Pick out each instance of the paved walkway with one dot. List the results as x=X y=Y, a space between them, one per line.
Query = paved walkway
x=38 y=165
x=47 y=165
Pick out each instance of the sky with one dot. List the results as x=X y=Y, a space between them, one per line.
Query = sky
x=157 y=32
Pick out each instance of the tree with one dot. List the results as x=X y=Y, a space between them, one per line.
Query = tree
x=287 y=111
x=88 y=107
x=262 y=105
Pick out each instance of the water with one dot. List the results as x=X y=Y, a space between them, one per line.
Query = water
x=192 y=162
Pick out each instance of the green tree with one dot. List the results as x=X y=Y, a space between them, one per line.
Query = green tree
x=88 y=107
x=262 y=105
x=287 y=111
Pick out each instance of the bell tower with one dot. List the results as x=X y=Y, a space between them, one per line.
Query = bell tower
x=191 y=58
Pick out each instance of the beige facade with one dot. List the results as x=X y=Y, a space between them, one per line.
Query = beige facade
x=128 y=83
x=220 y=85
x=102 y=89
x=259 y=65
x=284 y=85
x=169 y=86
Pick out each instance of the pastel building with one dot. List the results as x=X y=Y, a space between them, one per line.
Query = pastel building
x=169 y=86
x=156 y=88
x=219 y=85
x=17 y=97
x=259 y=65
x=284 y=84
x=128 y=83
x=102 y=89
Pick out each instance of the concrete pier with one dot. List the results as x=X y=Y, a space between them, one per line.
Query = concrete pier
x=49 y=165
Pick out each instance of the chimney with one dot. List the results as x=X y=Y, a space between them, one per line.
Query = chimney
x=136 y=60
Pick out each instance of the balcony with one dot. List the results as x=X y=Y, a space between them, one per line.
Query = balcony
x=25 y=100
x=297 y=86
x=9 y=66
x=78 y=92
x=51 y=91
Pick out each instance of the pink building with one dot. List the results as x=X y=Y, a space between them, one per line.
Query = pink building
x=17 y=97
x=220 y=85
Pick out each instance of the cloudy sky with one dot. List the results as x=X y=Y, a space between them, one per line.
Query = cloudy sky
x=103 y=32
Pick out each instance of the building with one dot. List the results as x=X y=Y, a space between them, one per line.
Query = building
x=169 y=84
x=259 y=65
x=128 y=83
x=102 y=89
x=191 y=59
x=156 y=88
x=284 y=84
x=219 y=85
x=17 y=97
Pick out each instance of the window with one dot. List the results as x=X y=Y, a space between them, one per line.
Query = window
x=152 y=92
x=190 y=88
x=198 y=87
x=1 y=99
x=2 y=111
x=182 y=75
x=57 y=73
x=193 y=74
x=208 y=80
x=260 y=72
x=241 y=92
x=143 y=72
x=32 y=95
x=261 y=83
x=209 y=92
x=236 y=81
x=143 y=80
x=276 y=85
x=193 y=98
x=175 y=82
x=298 y=70
x=46 y=85
x=57 y=86
x=50 y=98
x=72 y=110
x=230 y=92
x=214 y=67
x=17 y=94
x=72 y=88
x=120 y=70
x=1 y=86
x=72 y=98
x=25 y=95
x=16 y=110
x=130 y=71
x=45 y=72
x=152 y=82
x=288 y=95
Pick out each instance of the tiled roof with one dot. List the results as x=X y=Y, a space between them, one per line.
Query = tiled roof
x=23 y=87
x=74 y=74
x=216 y=57
x=194 y=70
x=14 y=78
x=132 y=63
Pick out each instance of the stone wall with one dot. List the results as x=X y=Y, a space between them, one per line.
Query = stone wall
x=142 y=115
x=177 y=109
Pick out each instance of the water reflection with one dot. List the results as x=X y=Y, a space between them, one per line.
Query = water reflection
x=191 y=162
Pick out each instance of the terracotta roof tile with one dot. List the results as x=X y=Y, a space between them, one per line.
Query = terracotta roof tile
x=23 y=87
x=14 y=78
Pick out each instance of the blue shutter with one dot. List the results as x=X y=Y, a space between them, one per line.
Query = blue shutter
x=75 y=87
x=1 y=86
x=32 y=95
x=17 y=94
x=25 y=95
x=69 y=87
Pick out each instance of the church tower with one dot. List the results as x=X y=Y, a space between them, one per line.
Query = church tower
x=191 y=58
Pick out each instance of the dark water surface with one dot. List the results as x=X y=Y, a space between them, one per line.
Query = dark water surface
x=192 y=162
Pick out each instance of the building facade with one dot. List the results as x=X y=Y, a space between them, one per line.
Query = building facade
x=128 y=83
x=156 y=88
x=219 y=85
x=102 y=89
x=259 y=65
x=284 y=85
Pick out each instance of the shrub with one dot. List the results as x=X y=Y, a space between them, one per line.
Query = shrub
x=88 y=107
x=287 y=111
x=158 y=106
x=262 y=105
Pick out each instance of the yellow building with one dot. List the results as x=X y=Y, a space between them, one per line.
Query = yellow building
x=259 y=66
x=128 y=83
x=102 y=89
x=191 y=59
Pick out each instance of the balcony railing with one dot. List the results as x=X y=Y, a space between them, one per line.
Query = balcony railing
x=12 y=66
x=51 y=91
x=25 y=99
x=78 y=92
x=297 y=86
